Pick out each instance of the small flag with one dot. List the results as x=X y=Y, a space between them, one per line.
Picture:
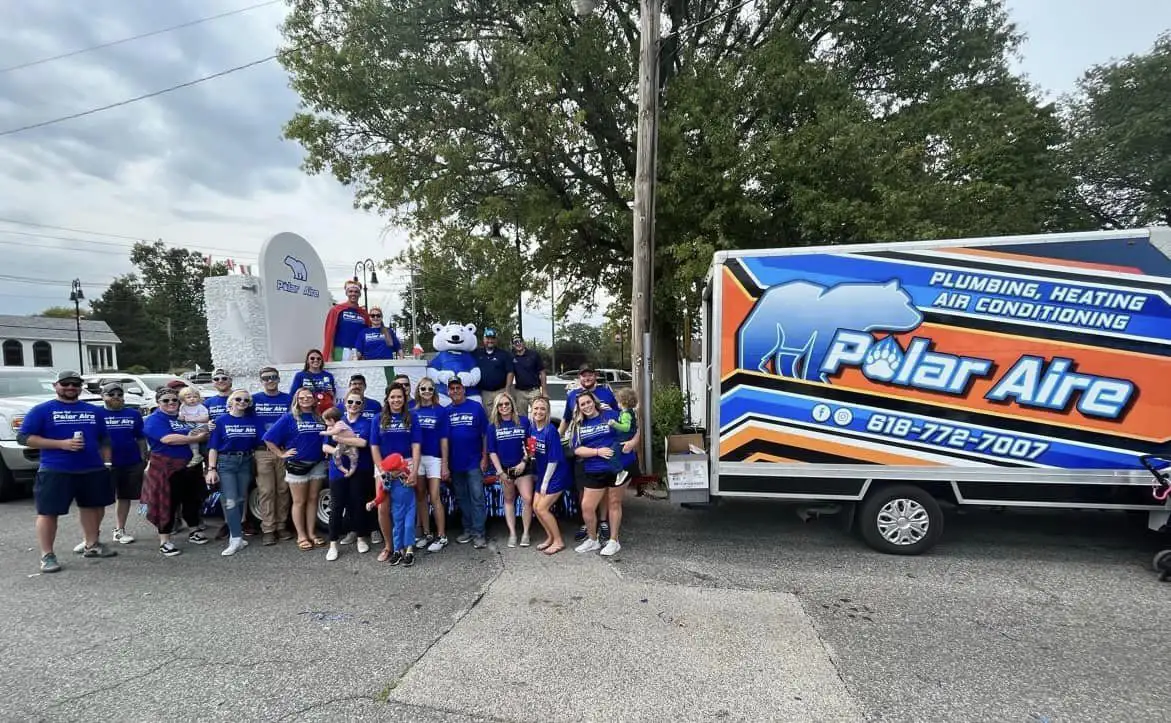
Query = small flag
x=417 y=351
x=246 y=270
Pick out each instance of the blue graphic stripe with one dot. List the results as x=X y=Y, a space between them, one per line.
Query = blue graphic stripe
x=938 y=435
x=1151 y=322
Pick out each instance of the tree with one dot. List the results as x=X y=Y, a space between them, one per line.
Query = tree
x=785 y=123
x=1119 y=123
x=123 y=306
x=61 y=312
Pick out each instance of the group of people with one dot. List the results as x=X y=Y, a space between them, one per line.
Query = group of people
x=384 y=461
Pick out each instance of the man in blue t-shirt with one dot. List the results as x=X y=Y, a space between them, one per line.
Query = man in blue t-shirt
x=495 y=370
x=528 y=373
x=71 y=435
x=379 y=340
x=467 y=458
x=124 y=427
x=269 y=405
x=217 y=404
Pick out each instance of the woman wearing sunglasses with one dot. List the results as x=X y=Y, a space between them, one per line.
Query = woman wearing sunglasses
x=395 y=433
x=348 y=492
x=378 y=341
x=313 y=376
x=170 y=483
x=296 y=438
x=234 y=436
x=506 y=450
x=431 y=419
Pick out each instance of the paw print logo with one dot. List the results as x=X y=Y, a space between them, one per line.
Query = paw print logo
x=883 y=360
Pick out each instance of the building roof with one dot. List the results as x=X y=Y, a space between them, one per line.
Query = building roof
x=43 y=327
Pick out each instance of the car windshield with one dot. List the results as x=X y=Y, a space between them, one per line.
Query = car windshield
x=154 y=381
x=19 y=385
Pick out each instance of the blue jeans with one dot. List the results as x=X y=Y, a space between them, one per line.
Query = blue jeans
x=469 y=495
x=402 y=511
x=235 y=476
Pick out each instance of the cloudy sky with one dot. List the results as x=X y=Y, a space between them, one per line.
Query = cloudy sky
x=205 y=167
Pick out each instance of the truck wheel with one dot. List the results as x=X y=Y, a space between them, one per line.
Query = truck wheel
x=901 y=520
x=323 y=508
x=254 y=503
x=1162 y=561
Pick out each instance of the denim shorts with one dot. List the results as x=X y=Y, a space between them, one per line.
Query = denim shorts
x=319 y=471
x=54 y=491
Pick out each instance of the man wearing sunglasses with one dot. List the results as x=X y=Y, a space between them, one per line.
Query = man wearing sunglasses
x=71 y=435
x=269 y=405
x=126 y=461
x=379 y=341
x=218 y=405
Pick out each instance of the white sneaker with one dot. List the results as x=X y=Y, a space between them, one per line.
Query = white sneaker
x=589 y=545
x=524 y=540
x=235 y=544
x=439 y=544
x=349 y=538
x=512 y=540
x=122 y=536
x=621 y=479
x=363 y=546
x=612 y=548
x=80 y=547
x=331 y=555
x=376 y=538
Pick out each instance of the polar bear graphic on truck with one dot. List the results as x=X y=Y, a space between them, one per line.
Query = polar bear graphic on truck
x=789 y=330
x=297 y=266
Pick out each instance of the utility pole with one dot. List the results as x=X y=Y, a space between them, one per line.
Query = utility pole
x=553 y=321
x=414 y=308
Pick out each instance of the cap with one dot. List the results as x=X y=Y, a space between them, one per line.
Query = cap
x=220 y=373
x=490 y=333
x=357 y=378
x=455 y=382
x=518 y=339
x=587 y=367
x=68 y=376
x=112 y=387
x=174 y=385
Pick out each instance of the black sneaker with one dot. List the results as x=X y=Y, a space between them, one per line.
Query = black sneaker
x=99 y=550
x=603 y=532
x=396 y=557
x=581 y=534
x=198 y=538
x=408 y=559
x=169 y=550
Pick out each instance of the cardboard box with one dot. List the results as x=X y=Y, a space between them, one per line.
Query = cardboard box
x=687 y=462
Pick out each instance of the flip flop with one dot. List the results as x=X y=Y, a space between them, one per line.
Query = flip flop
x=319 y=542
x=304 y=545
x=554 y=550
x=384 y=555
x=543 y=546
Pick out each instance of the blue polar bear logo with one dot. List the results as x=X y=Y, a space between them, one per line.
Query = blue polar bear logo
x=297 y=266
x=790 y=328
x=455 y=343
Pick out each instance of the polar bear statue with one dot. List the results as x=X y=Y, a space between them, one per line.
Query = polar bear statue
x=455 y=343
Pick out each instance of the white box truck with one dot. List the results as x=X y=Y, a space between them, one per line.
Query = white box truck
x=882 y=379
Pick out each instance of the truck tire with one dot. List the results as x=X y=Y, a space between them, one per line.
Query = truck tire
x=323 y=508
x=900 y=520
x=254 y=503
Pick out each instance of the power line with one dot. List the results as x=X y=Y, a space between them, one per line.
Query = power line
x=112 y=43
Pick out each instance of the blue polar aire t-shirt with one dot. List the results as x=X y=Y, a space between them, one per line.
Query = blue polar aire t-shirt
x=124 y=428
x=432 y=423
x=395 y=436
x=372 y=343
x=596 y=433
x=361 y=428
x=303 y=435
x=466 y=426
x=604 y=395
x=507 y=440
x=370 y=407
x=270 y=407
x=350 y=325
x=217 y=405
x=549 y=451
x=56 y=419
x=159 y=425
x=236 y=434
x=315 y=382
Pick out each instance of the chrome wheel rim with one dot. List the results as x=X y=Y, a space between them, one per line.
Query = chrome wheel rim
x=903 y=522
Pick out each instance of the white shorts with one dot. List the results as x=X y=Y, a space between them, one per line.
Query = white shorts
x=319 y=471
x=429 y=467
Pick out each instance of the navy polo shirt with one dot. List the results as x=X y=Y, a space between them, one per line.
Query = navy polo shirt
x=526 y=370
x=495 y=366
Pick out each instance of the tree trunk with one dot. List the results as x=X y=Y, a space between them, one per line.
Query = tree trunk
x=665 y=351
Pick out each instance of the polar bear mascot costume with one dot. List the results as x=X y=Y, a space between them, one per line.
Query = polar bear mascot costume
x=455 y=343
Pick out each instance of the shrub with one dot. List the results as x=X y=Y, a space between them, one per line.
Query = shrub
x=667 y=414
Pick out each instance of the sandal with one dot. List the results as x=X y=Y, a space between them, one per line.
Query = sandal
x=304 y=545
x=384 y=555
x=544 y=545
x=554 y=550
x=319 y=542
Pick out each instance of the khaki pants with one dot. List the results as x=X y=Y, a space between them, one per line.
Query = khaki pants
x=488 y=398
x=524 y=399
x=275 y=500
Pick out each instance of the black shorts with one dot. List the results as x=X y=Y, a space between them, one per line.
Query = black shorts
x=54 y=491
x=127 y=480
x=597 y=480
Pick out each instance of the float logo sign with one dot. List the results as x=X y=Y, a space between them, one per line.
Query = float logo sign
x=300 y=273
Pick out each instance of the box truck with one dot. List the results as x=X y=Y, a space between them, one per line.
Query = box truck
x=883 y=379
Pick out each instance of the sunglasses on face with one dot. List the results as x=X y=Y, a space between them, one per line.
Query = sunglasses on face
x=70 y=385
x=117 y=395
x=242 y=400
x=426 y=390
x=169 y=400
x=221 y=379
x=376 y=316
x=504 y=404
x=270 y=378
x=353 y=402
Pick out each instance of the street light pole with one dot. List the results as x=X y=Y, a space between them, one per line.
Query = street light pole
x=77 y=296
x=362 y=267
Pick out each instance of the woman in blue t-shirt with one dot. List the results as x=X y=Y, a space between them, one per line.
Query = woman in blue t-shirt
x=314 y=376
x=398 y=432
x=234 y=437
x=507 y=432
x=431 y=419
x=169 y=483
x=347 y=492
x=593 y=440
x=551 y=472
x=296 y=438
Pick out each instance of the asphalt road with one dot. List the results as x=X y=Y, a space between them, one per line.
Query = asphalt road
x=1014 y=617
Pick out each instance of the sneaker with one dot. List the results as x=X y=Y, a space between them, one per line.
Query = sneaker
x=408 y=558
x=612 y=548
x=439 y=544
x=268 y=540
x=512 y=540
x=284 y=535
x=396 y=558
x=588 y=546
x=524 y=540
x=331 y=554
x=349 y=538
x=622 y=477
x=235 y=545
x=80 y=547
x=376 y=538
x=480 y=543
x=122 y=537
x=198 y=538
x=363 y=546
x=603 y=532
x=169 y=550
x=581 y=534
x=49 y=563
x=464 y=539
x=99 y=550
x=425 y=541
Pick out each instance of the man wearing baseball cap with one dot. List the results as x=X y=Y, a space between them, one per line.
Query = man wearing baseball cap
x=495 y=370
x=217 y=405
x=528 y=373
x=126 y=461
x=71 y=435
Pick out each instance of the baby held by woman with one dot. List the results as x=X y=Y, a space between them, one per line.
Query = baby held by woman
x=345 y=456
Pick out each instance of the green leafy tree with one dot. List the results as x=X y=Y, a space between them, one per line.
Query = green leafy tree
x=123 y=307
x=1119 y=122
x=784 y=123
x=62 y=312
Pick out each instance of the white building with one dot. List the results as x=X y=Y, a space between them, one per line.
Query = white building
x=40 y=341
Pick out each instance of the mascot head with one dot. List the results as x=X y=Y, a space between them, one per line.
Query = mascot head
x=454 y=336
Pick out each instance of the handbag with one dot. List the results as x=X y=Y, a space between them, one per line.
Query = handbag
x=299 y=467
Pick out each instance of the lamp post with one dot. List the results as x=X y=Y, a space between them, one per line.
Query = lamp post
x=77 y=296
x=499 y=236
x=362 y=267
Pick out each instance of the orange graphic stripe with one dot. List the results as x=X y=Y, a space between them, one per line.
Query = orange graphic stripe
x=842 y=448
x=1008 y=256
x=737 y=305
x=763 y=457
